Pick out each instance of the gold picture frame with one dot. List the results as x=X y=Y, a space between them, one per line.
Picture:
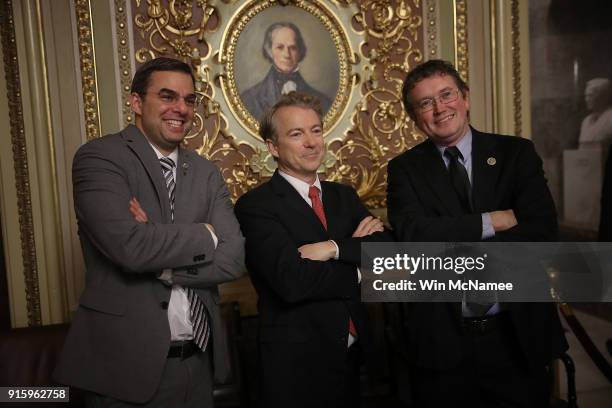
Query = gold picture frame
x=246 y=67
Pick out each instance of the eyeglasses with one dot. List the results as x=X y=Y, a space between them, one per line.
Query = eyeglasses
x=169 y=97
x=446 y=96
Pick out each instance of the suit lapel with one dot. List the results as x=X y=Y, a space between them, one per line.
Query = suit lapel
x=486 y=165
x=293 y=199
x=184 y=183
x=138 y=143
x=431 y=166
x=331 y=206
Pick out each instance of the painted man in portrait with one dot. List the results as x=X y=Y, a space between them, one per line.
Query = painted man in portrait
x=284 y=48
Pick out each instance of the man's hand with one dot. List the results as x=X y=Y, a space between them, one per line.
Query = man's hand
x=139 y=214
x=319 y=251
x=367 y=226
x=503 y=220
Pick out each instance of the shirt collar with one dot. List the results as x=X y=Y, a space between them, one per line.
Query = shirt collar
x=301 y=186
x=464 y=146
x=297 y=68
x=173 y=155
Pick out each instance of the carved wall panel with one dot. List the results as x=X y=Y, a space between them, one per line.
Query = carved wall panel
x=20 y=161
x=376 y=42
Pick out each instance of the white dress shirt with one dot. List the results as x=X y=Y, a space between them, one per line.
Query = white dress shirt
x=179 y=317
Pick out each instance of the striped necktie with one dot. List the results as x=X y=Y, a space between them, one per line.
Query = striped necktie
x=197 y=310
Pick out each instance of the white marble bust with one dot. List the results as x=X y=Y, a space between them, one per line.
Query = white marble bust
x=597 y=125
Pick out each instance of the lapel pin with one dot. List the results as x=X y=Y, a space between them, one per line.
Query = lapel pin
x=185 y=167
x=491 y=161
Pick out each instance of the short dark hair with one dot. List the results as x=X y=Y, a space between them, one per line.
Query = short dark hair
x=140 y=83
x=426 y=70
x=267 y=45
x=267 y=128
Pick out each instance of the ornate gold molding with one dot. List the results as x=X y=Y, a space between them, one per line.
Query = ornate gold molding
x=88 y=68
x=20 y=159
x=123 y=56
x=516 y=67
x=382 y=129
x=387 y=40
x=461 y=39
x=431 y=28
x=494 y=76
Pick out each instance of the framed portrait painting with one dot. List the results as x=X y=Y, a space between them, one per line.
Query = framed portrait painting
x=270 y=50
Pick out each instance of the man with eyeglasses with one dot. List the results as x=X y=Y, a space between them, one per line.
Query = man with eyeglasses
x=462 y=185
x=158 y=235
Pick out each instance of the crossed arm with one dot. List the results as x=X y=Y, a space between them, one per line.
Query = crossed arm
x=141 y=216
x=294 y=271
x=326 y=250
x=104 y=184
x=531 y=217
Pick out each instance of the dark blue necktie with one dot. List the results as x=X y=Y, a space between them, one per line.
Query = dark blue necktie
x=459 y=178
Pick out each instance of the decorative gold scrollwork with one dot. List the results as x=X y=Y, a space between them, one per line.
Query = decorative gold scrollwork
x=382 y=129
x=170 y=26
x=388 y=41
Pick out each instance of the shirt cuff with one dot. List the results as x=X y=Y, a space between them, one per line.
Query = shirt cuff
x=487 y=226
x=214 y=237
x=337 y=256
x=166 y=277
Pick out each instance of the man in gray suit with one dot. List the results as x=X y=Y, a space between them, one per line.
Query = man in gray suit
x=158 y=234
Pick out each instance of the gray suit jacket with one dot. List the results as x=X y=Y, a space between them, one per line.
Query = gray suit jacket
x=119 y=338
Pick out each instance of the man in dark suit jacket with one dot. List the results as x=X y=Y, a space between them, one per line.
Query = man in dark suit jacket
x=303 y=257
x=462 y=185
x=156 y=242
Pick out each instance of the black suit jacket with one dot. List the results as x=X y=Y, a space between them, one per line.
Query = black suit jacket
x=422 y=206
x=605 y=221
x=262 y=96
x=304 y=305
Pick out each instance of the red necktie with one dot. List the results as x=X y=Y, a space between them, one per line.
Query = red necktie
x=317 y=206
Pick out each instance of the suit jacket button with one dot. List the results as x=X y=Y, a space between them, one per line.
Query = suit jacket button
x=164 y=305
